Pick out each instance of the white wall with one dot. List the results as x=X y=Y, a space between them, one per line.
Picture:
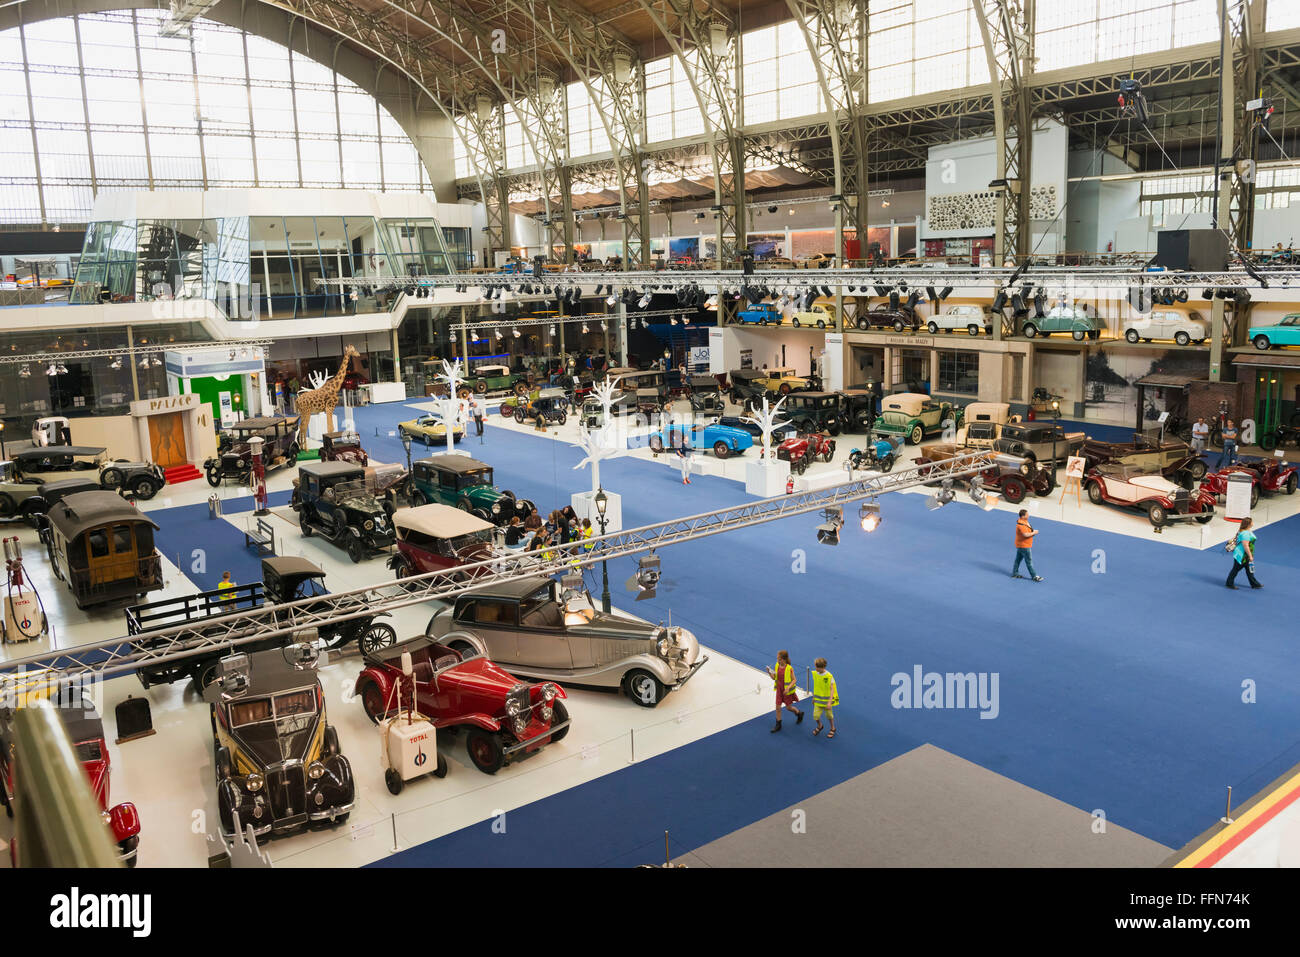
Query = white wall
x=1095 y=207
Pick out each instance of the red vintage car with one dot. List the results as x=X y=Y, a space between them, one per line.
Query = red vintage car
x=434 y=537
x=804 y=449
x=504 y=718
x=343 y=447
x=1266 y=475
x=86 y=731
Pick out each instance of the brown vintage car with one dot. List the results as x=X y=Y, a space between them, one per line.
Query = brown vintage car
x=1172 y=458
x=343 y=446
x=1013 y=476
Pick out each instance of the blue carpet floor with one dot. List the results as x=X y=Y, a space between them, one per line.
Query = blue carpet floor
x=1120 y=677
x=202 y=548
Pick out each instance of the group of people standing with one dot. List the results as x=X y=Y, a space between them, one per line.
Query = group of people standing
x=561 y=527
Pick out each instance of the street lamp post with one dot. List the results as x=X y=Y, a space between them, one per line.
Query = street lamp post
x=602 y=502
x=2 y=440
x=406 y=445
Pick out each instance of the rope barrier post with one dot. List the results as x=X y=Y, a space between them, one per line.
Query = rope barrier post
x=396 y=848
x=1227 y=811
x=631 y=744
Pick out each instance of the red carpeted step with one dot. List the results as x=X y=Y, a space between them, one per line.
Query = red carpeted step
x=181 y=473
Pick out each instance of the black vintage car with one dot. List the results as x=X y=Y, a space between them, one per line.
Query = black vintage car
x=593 y=412
x=234 y=457
x=284 y=579
x=814 y=412
x=140 y=479
x=858 y=409
x=333 y=499
x=881 y=316
x=705 y=394
x=747 y=387
x=277 y=759
x=549 y=405
x=49 y=494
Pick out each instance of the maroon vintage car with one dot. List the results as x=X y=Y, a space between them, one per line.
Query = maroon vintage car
x=86 y=732
x=1266 y=475
x=1172 y=458
x=1144 y=488
x=805 y=449
x=504 y=718
x=343 y=447
x=1013 y=476
x=434 y=537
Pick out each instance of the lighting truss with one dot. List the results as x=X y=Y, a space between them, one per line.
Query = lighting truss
x=127 y=653
x=77 y=355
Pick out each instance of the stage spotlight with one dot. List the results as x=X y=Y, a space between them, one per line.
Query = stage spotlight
x=869 y=516
x=979 y=494
x=942 y=496
x=828 y=532
x=611 y=300
x=646 y=579
x=516 y=332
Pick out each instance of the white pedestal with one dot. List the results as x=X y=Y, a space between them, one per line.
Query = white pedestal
x=766 y=478
x=317 y=426
x=384 y=391
x=584 y=505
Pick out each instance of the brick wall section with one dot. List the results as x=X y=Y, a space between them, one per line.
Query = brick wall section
x=1203 y=399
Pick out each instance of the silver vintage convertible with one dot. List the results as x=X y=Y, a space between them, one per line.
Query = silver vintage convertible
x=531 y=628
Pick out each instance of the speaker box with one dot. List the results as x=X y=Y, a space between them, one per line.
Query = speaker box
x=1199 y=250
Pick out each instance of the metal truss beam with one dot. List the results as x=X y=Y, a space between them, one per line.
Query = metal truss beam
x=115 y=656
x=80 y=355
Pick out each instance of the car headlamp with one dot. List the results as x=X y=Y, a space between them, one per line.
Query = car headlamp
x=368 y=525
x=315 y=770
x=1024 y=468
x=253 y=783
x=546 y=712
x=496 y=508
x=549 y=691
x=662 y=647
x=520 y=724
x=513 y=707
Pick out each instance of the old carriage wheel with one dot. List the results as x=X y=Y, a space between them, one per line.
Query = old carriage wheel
x=375 y=636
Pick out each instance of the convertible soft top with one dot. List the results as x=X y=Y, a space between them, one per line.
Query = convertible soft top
x=440 y=521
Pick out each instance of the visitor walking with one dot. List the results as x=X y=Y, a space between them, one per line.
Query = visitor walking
x=684 y=463
x=1024 y=544
x=825 y=696
x=1229 y=453
x=1200 y=435
x=226 y=587
x=783 y=677
x=1242 y=547
x=476 y=410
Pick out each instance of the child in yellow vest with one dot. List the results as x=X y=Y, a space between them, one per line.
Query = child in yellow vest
x=825 y=696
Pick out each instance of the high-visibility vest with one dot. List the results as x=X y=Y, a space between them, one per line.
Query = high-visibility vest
x=824 y=690
x=587 y=534
x=788 y=681
x=225 y=586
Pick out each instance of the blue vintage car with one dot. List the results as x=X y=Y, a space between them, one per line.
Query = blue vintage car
x=1285 y=333
x=760 y=313
x=723 y=439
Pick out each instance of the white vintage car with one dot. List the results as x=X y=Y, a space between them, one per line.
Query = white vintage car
x=974 y=319
x=1182 y=327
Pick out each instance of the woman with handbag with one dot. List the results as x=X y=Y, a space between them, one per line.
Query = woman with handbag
x=1242 y=548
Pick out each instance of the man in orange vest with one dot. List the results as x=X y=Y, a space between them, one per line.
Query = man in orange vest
x=1024 y=542
x=783 y=676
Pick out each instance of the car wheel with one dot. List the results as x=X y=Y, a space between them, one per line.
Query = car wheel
x=480 y=386
x=833 y=427
x=521 y=388
x=821 y=324
x=372 y=700
x=830 y=452
x=485 y=750
x=1291 y=484
x=656 y=444
x=214 y=476
x=1204 y=519
x=1156 y=514
x=862 y=324
x=916 y=435
x=204 y=675
x=441 y=770
x=720 y=449
x=1197 y=470
x=7 y=507
x=1182 y=338
x=794 y=321
x=1254 y=495
x=291 y=457
x=1094 y=493
x=378 y=635
x=221 y=764
x=1131 y=335
x=110 y=478
x=145 y=489
x=973 y=329
x=887 y=463
x=418 y=498
x=1030 y=330
x=519 y=415
x=356 y=549
x=643 y=688
x=563 y=417
x=898 y=325
x=1077 y=335
x=785 y=388
x=1014 y=490
x=1261 y=343
x=934 y=328
x=463 y=648
x=560 y=714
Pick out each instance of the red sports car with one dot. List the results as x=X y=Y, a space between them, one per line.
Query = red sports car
x=804 y=449
x=1267 y=475
x=504 y=718
x=86 y=731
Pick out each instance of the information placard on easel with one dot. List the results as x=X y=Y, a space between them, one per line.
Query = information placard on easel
x=1074 y=466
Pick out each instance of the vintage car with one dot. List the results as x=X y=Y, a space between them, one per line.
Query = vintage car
x=49 y=494
x=982 y=424
x=722 y=439
x=973 y=318
x=704 y=394
x=332 y=499
x=858 y=409
x=915 y=416
x=533 y=628
x=435 y=537
x=1076 y=320
x=80 y=718
x=138 y=479
x=277 y=759
x=1182 y=327
x=819 y=314
x=878 y=455
x=1013 y=476
x=18 y=497
x=1285 y=332
x=234 y=457
x=1266 y=475
x=1038 y=441
x=549 y=405
x=465 y=483
x=882 y=316
x=53 y=462
x=284 y=579
x=343 y=446
x=748 y=386
x=1134 y=486
x=805 y=449
x=784 y=380
x=760 y=314
x=1268 y=440
x=1171 y=457
x=102 y=546
x=493 y=378
x=593 y=413
x=783 y=431
x=459 y=689
x=429 y=428
x=815 y=411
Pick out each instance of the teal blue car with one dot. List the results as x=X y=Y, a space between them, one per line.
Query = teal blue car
x=1285 y=333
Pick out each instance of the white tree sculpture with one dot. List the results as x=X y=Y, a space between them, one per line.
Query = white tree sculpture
x=605 y=442
x=767 y=423
x=450 y=404
x=315 y=380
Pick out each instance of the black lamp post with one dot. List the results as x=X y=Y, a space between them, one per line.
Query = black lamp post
x=2 y=440
x=406 y=445
x=602 y=503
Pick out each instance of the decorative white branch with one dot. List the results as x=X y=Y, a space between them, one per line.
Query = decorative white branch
x=605 y=442
x=767 y=423
x=450 y=404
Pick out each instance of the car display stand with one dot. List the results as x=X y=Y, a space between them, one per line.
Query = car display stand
x=584 y=505
x=317 y=426
x=766 y=477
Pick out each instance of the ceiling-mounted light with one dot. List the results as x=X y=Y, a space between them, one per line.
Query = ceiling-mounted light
x=498 y=332
x=942 y=496
x=603 y=327
x=611 y=300
x=643 y=301
x=51 y=370
x=552 y=330
x=516 y=331
x=232 y=355
x=144 y=362
x=155 y=362
x=869 y=516
x=116 y=363
x=25 y=372
x=772 y=208
x=828 y=532
x=585 y=330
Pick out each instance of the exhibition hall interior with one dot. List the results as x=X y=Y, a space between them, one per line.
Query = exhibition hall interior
x=649 y=434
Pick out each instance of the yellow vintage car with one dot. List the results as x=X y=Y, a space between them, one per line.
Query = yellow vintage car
x=428 y=429
x=785 y=380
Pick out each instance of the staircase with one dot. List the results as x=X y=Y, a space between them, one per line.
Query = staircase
x=181 y=473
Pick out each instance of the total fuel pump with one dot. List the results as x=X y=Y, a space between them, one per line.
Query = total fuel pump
x=24 y=617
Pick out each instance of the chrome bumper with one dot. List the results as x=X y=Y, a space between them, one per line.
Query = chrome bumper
x=331 y=813
x=519 y=746
x=691 y=674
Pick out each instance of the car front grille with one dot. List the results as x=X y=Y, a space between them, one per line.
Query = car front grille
x=519 y=693
x=286 y=790
x=1182 y=500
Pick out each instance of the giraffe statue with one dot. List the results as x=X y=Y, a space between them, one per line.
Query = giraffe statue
x=321 y=399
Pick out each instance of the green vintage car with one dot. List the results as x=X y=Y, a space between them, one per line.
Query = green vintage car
x=1072 y=319
x=914 y=416
x=493 y=378
x=467 y=484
